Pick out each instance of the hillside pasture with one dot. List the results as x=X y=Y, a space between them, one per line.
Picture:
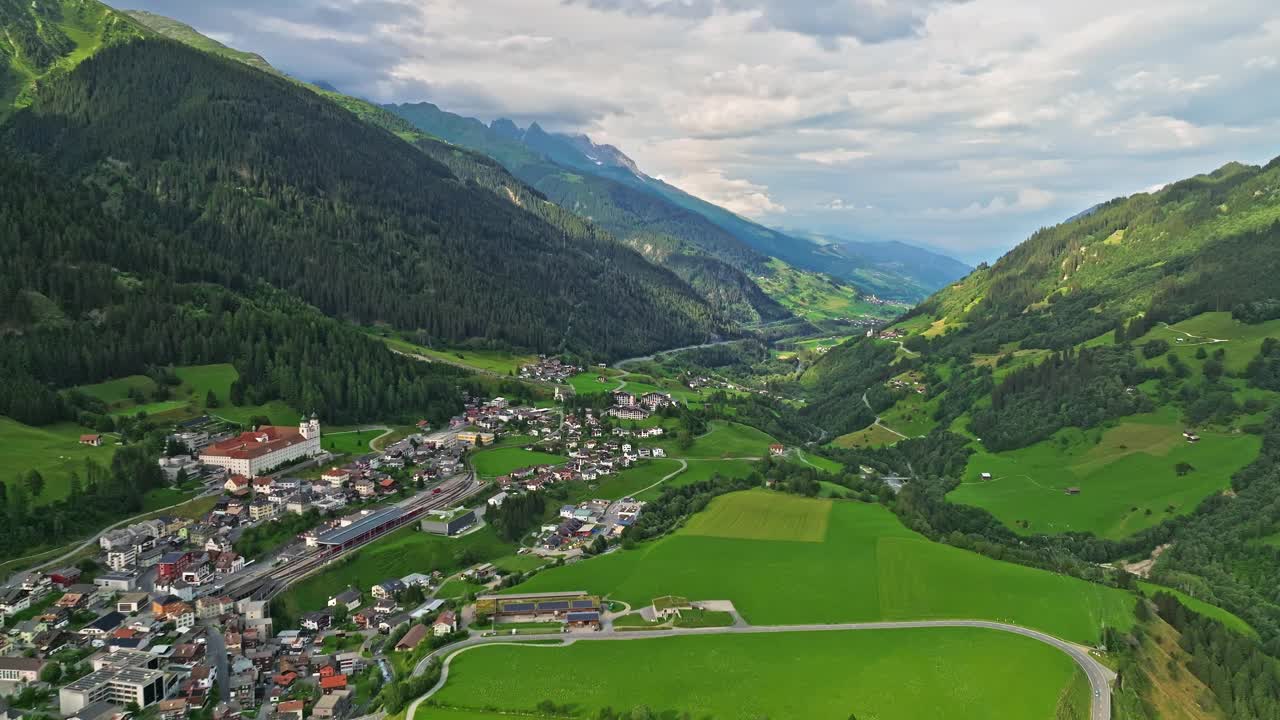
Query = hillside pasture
x=724 y=440
x=953 y=673
x=872 y=436
x=1127 y=476
x=52 y=450
x=699 y=470
x=1211 y=332
x=867 y=567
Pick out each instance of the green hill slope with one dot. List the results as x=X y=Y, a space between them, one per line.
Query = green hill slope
x=45 y=38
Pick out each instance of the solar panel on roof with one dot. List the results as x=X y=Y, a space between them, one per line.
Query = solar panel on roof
x=583 y=617
x=553 y=605
x=518 y=607
x=584 y=603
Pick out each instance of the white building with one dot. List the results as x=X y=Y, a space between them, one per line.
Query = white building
x=253 y=453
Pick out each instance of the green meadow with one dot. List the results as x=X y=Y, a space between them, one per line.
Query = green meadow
x=700 y=470
x=953 y=673
x=588 y=383
x=189 y=398
x=867 y=567
x=500 y=461
x=493 y=361
x=626 y=483
x=1126 y=475
x=1242 y=341
x=873 y=436
x=52 y=450
x=724 y=440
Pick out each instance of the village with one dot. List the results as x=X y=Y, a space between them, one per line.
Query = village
x=172 y=614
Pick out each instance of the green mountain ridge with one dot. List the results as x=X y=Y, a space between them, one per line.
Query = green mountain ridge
x=1093 y=390
x=484 y=251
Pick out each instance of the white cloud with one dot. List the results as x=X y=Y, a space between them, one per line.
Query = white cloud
x=1024 y=201
x=842 y=205
x=834 y=156
x=1002 y=113
x=734 y=194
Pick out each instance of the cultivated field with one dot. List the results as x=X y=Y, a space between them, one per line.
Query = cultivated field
x=867 y=568
x=763 y=516
x=952 y=673
x=492 y=463
x=53 y=450
x=1126 y=475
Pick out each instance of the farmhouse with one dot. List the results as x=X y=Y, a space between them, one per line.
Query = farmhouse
x=93 y=440
x=985 y=476
x=777 y=450
x=413 y=638
x=256 y=452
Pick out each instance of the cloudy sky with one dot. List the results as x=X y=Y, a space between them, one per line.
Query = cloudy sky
x=964 y=125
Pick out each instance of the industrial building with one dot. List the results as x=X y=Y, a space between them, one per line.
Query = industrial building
x=120 y=678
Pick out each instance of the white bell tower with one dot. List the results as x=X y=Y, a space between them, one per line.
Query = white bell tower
x=310 y=430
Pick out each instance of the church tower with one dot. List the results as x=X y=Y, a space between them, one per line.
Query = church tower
x=310 y=430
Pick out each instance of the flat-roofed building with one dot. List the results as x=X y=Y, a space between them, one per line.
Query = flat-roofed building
x=120 y=678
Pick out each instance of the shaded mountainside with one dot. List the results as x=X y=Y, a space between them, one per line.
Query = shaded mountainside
x=712 y=273
x=890 y=269
x=707 y=256
x=290 y=188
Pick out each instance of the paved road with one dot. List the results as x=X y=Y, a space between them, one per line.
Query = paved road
x=94 y=540
x=867 y=402
x=644 y=358
x=1100 y=677
x=217 y=648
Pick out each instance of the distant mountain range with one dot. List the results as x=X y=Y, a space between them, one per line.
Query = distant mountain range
x=580 y=174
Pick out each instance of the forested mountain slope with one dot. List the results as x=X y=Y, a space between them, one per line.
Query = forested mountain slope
x=287 y=187
x=707 y=256
x=600 y=182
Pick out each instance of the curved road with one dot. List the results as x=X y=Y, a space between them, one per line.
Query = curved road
x=1100 y=677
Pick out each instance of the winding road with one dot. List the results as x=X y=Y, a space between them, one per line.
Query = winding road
x=1100 y=677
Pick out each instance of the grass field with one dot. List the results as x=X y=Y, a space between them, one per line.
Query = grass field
x=405 y=551
x=870 y=437
x=1242 y=341
x=626 y=483
x=500 y=461
x=952 y=673
x=351 y=442
x=912 y=416
x=189 y=398
x=494 y=361
x=763 y=516
x=867 y=568
x=815 y=461
x=586 y=383
x=700 y=470
x=1125 y=474
x=53 y=450
x=724 y=440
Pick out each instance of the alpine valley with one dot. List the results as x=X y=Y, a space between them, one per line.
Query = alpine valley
x=320 y=407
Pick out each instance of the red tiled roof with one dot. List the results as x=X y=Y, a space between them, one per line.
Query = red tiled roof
x=255 y=444
x=333 y=682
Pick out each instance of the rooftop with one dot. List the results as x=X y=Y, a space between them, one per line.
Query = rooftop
x=339 y=536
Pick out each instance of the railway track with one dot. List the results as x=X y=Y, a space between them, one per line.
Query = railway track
x=266 y=586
